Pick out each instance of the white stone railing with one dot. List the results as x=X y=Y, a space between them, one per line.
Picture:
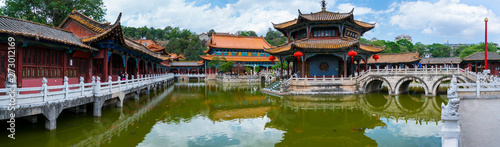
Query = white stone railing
x=44 y=94
x=190 y=75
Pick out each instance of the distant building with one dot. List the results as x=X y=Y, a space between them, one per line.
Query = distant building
x=407 y=37
x=204 y=37
x=373 y=39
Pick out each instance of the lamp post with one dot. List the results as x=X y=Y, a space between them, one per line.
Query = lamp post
x=486 y=46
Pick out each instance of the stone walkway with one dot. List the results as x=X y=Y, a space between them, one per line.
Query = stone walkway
x=480 y=122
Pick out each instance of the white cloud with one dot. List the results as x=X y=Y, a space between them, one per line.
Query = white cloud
x=254 y=15
x=444 y=18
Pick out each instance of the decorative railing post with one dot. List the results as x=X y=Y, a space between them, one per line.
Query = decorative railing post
x=450 y=116
x=66 y=87
x=126 y=81
x=82 y=86
x=478 y=86
x=97 y=85
x=133 y=80
x=110 y=84
x=44 y=88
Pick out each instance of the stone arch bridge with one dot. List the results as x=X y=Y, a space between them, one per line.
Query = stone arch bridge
x=396 y=79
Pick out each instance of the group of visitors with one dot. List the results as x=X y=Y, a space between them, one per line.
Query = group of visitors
x=121 y=75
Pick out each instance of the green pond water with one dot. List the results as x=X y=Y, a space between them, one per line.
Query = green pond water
x=199 y=114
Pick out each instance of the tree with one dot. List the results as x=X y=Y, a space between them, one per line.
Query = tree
x=193 y=51
x=226 y=66
x=420 y=47
x=52 y=12
x=275 y=38
x=379 y=43
x=477 y=48
x=248 y=69
x=405 y=44
x=212 y=31
x=216 y=62
x=439 y=50
x=459 y=50
x=365 y=41
x=395 y=48
x=257 y=69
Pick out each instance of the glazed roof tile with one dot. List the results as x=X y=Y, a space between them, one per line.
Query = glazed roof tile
x=237 y=42
x=407 y=57
x=25 y=28
x=325 y=16
x=480 y=56
x=185 y=63
x=441 y=60
x=239 y=58
x=323 y=44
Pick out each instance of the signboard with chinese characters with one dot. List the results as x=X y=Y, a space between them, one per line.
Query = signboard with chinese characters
x=351 y=33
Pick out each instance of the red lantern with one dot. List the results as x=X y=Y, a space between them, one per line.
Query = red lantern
x=298 y=54
x=376 y=57
x=272 y=58
x=352 y=54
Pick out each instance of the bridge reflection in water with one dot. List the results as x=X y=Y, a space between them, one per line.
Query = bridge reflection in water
x=199 y=114
x=358 y=120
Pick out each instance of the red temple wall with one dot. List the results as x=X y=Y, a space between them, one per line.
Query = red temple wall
x=78 y=29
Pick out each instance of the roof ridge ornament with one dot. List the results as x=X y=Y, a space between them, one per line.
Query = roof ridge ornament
x=323 y=5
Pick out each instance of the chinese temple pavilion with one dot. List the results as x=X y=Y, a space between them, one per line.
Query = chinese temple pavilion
x=115 y=52
x=322 y=42
x=240 y=49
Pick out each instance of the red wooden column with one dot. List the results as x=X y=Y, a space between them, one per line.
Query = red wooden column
x=125 y=65
x=19 y=66
x=65 y=64
x=105 y=66
x=89 y=68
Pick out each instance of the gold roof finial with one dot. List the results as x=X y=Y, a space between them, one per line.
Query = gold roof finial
x=486 y=19
x=73 y=9
x=323 y=5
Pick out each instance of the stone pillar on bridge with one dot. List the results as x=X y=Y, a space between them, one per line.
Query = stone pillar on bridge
x=51 y=112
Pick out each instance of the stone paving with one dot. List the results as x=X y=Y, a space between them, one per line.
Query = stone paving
x=480 y=122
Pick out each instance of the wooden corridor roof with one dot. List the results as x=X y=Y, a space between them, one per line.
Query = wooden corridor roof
x=14 y=26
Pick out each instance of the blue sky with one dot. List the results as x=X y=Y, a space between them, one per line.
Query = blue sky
x=427 y=21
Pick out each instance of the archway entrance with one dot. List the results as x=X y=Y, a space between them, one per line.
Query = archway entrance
x=131 y=67
x=116 y=65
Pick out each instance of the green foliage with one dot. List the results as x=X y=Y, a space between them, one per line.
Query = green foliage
x=275 y=38
x=477 y=48
x=459 y=50
x=365 y=41
x=248 y=69
x=278 y=64
x=52 y=12
x=247 y=33
x=403 y=43
x=257 y=69
x=394 y=47
x=225 y=67
x=194 y=50
x=439 y=50
x=420 y=47
x=216 y=62
x=212 y=31
x=379 y=43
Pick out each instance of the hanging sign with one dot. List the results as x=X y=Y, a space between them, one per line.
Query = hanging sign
x=351 y=33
